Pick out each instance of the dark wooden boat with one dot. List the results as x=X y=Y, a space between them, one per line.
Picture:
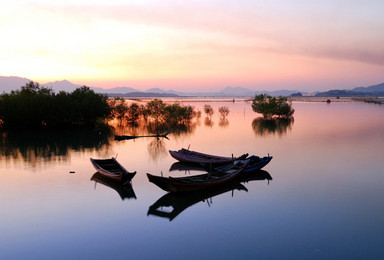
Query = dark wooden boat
x=255 y=163
x=188 y=156
x=128 y=137
x=178 y=202
x=112 y=169
x=198 y=182
x=125 y=190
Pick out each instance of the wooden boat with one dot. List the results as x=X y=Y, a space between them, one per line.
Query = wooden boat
x=128 y=137
x=188 y=156
x=125 y=190
x=178 y=202
x=255 y=164
x=198 y=182
x=112 y=169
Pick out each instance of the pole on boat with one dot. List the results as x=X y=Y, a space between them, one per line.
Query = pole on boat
x=210 y=171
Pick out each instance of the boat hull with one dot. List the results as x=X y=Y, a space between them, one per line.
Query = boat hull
x=197 y=182
x=255 y=163
x=112 y=169
x=188 y=156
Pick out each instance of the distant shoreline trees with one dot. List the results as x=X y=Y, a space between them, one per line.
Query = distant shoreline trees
x=34 y=106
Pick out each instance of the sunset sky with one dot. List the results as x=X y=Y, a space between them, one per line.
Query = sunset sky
x=195 y=45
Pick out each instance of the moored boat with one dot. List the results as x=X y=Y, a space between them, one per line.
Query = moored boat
x=112 y=169
x=255 y=164
x=188 y=156
x=198 y=182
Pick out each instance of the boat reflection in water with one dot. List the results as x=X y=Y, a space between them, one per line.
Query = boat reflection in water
x=181 y=201
x=124 y=190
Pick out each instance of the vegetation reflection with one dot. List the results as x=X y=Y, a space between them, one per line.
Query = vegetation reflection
x=35 y=146
x=279 y=126
x=157 y=149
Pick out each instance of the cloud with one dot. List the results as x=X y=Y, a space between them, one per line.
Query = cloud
x=316 y=31
x=253 y=41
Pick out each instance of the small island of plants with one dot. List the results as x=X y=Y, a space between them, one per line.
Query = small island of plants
x=272 y=107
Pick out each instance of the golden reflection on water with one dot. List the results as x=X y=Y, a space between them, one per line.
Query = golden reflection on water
x=223 y=122
x=157 y=149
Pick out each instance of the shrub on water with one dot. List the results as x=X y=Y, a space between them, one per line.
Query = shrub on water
x=270 y=106
x=224 y=111
x=208 y=110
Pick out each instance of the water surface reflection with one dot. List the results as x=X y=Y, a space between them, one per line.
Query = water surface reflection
x=125 y=190
x=172 y=204
x=223 y=122
x=279 y=126
x=157 y=149
x=36 y=146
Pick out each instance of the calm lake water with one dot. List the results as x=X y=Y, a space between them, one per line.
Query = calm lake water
x=320 y=196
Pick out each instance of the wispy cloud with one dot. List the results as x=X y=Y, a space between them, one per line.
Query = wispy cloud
x=342 y=30
x=256 y=40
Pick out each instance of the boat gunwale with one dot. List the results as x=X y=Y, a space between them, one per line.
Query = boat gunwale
x=118 y=173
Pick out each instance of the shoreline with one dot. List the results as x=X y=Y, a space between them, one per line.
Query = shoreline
x=375 y=100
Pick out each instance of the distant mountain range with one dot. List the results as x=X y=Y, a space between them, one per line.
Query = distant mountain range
x=375 y=90
x=8 y=84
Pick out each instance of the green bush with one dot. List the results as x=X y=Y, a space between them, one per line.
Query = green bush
x=35 y=106
x=270 y=106
x=208 y=110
